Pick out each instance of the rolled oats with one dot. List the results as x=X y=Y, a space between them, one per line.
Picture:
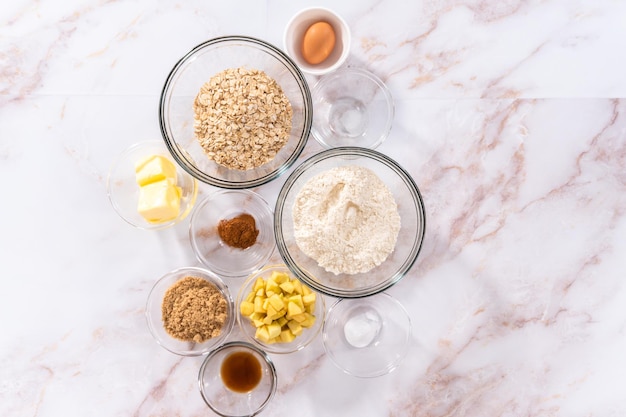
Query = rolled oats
x=242 y=118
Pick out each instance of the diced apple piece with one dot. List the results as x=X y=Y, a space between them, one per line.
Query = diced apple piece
x=246 y=308
x=277 y=302
x=295 y=327
x=293 y=309
x=271 y=311
x=272 y=286
x=273 y=330
x=286 y=336
x=297 y=285
x=258 y=305
x=262 y=334
x=258 y=284
x=308 y=321
x=279 y=277
x=297 y=299
x=309 y=298
x=287 y=287
x=299 y=317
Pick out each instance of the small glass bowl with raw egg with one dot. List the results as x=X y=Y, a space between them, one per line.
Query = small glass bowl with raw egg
x=148 y=190
x=318 y=40
x=237 y=379
x=277 y=312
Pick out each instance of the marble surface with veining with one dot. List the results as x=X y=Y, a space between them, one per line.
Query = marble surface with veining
x=511 y=118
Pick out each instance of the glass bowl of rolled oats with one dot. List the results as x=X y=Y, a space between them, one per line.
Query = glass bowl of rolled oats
x=235 y=112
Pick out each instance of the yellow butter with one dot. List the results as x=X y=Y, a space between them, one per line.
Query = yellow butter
x=154 y=168
x=159 y=201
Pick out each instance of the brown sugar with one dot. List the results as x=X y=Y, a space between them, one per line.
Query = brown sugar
x=194 y=309
x=238 y=232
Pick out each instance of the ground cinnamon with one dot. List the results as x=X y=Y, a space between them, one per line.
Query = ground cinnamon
x=238 y=232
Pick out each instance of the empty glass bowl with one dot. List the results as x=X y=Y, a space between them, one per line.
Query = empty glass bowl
x=176 y=114
x=123 y=190
x=155 y=318
x=237 y=379
x=215 y=253
x=353 y=107
x=367 y=337
x=410 y=207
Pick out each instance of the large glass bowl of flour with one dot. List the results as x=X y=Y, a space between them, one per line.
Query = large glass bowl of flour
x=349 y=222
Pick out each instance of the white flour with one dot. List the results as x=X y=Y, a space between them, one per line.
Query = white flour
x=346 y=219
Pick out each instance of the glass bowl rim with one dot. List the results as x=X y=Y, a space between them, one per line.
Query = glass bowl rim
x=349 y=151
x=180 y=155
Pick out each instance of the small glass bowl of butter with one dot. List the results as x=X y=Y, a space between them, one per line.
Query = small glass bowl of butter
x=147 y=189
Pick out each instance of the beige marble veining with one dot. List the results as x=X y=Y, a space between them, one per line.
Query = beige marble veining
x=511 y=118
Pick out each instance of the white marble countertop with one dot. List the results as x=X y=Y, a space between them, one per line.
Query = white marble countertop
x=509 y=118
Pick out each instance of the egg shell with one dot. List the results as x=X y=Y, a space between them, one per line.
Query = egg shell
x=318 y=42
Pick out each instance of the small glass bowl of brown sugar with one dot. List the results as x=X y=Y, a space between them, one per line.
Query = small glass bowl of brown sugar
x=190 y=311
x=231 y=232
x=237 y=379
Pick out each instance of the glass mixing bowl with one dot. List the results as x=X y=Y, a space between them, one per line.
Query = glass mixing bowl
x=410 y=207
x=176 y=115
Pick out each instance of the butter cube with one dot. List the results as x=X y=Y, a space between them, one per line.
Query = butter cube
x=159 y=201
x=154 y=168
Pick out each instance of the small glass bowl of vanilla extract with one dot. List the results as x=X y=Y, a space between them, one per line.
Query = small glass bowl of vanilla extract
x=237 y=379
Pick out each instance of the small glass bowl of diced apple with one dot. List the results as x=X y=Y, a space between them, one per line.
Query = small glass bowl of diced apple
x=277 y=312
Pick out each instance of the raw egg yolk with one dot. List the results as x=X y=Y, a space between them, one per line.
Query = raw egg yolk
x=318 y=42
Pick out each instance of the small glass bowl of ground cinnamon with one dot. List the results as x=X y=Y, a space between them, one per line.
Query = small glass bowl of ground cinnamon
x=190 y=311
x=231 y=232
